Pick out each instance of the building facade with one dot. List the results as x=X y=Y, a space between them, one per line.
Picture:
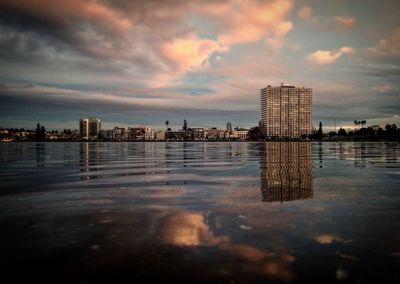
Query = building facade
x=89 y=128
x=119 y=134
x=240 y=134
x=286 y=111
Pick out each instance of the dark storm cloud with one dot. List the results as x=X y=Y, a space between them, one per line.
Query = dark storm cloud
x=49 y=104
x=360 y=103
x=84 y=28
x=385 y=70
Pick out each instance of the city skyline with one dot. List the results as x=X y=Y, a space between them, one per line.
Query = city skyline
x=145 y=62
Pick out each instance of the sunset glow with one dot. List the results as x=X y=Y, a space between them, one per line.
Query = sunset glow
x=144 y=62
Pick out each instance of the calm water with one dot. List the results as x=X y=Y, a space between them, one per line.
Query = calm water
x=204 y=212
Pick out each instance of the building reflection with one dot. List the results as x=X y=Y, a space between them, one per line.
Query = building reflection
x=40 y=155
x=286 y=171
x=89 y=160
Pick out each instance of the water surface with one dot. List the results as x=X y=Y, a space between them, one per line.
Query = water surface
x=284 y=212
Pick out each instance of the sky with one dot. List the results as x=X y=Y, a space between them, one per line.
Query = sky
x=141 y=62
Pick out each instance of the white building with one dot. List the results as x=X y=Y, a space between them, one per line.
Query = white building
x=240 y=134
x=286 y=111
x=148 y=134
x=89 y=128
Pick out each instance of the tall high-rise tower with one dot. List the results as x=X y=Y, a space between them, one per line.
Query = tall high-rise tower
x=286 y=111
x=89 y=128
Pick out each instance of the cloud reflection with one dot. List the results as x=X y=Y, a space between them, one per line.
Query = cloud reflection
x=188 y=229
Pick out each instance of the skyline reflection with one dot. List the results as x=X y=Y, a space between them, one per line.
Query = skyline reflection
x=192 y=212
x=286 y=171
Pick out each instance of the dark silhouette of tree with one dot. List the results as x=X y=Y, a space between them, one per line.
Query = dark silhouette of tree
x=342 y=132
x=40 y=132
x=320 y=133
x=362 y=122
x=37 y=131
x=255 y=133
x=166 y=124
x=391 y=129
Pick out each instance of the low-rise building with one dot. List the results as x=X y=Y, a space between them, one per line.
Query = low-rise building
x=214 y=133
x=148 y=134
x=159 y=135
x=198 y=134
x=136 y=133
x=240 y=134
x=119 y=134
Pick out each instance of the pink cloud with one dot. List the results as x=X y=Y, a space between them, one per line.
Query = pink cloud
x=305 y=13
x=323 y=57
x=346 y=23
x=250 y=21
x=189 y=52
x=346 y=49
x=151 y=37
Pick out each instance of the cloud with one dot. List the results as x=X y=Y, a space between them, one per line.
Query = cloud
x=166 y=58
x=346 y=49
x=140 y=35
x=383 y=60
x=185 y=229
x=346 y=23
x=323 y=57
x=190 y=51
x=305 y=13
x=328 y=239
x=388 y=47
x=387 y=88
x=139 y=106
x=251 y=21
x=347 y=100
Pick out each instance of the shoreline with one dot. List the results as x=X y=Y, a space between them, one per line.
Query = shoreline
x=205 y=141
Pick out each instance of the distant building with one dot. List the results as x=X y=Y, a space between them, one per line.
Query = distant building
x=136 y=133
x=107 y=134
x=240 y=134
x=148 y=134
x=159 y=135
x=119 y=134
x=89 y=128
x=286 y=111
x=229 y=126
x=198 y=134
x=214 y=134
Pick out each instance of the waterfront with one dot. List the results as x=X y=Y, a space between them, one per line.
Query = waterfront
x=216 y=212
